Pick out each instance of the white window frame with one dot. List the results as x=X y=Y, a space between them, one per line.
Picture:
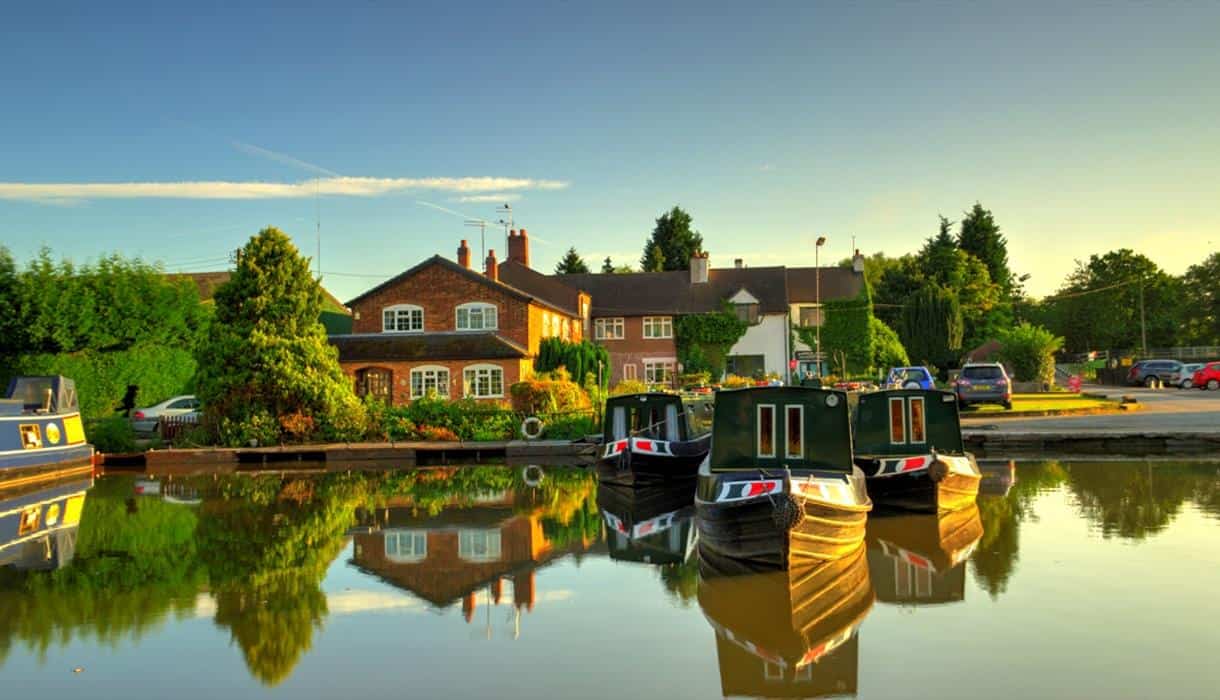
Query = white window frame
x=611 y=328
x=923 y=421
x=660 y=327
x=490 y=539
x=483 y=308
x=397 y=309
x=758 y=430
x=902 y=412
x=668 y=365
x=468 y=386
x=415 y=536
x=630 y=372
x=442 y=388
x=800 y=454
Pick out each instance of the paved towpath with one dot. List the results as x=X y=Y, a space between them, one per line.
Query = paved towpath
x=1164 y=410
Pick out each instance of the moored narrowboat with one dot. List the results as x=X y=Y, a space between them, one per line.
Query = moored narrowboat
x=41 y=433
x=779 y=488
x=39 y=521
x=920 y=558
x=648 y=439
x=909 y=445
x=650 y=525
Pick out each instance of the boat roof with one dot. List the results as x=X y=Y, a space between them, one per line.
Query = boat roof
x=825 y=438
x=34 y=391
x=929 y=421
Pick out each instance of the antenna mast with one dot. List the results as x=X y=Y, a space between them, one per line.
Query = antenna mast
x=506 y=220
x=482 y=235
x=317 y=203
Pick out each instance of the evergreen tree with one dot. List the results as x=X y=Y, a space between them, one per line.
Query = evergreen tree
x=672 y=243
x=571 y=263
x=1201 y=285
x=267 y=357
x=980 y=236
x=939 y=255
x=607 y=266
x=931 y=327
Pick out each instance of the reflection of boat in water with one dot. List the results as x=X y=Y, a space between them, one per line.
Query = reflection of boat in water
x=998 y=477
x=41 y=433
x=909 y=444
x=38 y=523
x=788 y=633
x=648 y=439
x=920 y=558
x=649 y=525
x=779 y=487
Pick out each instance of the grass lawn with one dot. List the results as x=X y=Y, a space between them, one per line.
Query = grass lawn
x=1048 y=402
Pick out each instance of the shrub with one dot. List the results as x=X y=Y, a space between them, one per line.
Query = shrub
x=887 y=347
x=579 y=359
x=570 y=426
x=436 y=433
x=542 y=394
x=254 y=427
x=629 y=386
x=1030 y=351
x=112 y=435
x=694 y=379
x=734 y=381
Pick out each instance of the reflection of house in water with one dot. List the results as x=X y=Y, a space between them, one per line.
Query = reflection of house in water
x=38 y=523
x=921 y=558
x=649 y=525
x=467 y=549
x=998 y=477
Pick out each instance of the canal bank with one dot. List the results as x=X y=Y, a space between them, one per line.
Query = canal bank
x=1115 y=443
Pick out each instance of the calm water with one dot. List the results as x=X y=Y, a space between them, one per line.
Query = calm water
x=1070 y=580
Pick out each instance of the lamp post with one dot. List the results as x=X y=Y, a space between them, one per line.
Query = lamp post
x=817 y=299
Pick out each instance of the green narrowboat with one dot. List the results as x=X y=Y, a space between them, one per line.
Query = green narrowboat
x=41 y=433
x=648 y=440
x=909 y=445
x=650 y=525
x=779 y=488
x=788 y=633
x=920 y=558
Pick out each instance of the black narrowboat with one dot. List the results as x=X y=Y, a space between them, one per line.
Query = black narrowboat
x=779 y=488
x=41 y=433
x=648 y=440
x=649 y=525
x=789 y=633
x=909 y=444
x=920 y=558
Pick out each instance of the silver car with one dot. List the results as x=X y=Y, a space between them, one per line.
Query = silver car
x=1188 y=374
x=983 y=382
x=144 y=420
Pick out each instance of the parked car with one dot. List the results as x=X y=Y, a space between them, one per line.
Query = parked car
x=144 y=420
x=910 y=378
x=1187 y=378
x=983 y=382
x=1208 y=377
x=1149 y=372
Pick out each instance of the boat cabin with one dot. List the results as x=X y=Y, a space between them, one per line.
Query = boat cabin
x=654 y=415
x=908 y=422
x=776 y=427
x=29 y=395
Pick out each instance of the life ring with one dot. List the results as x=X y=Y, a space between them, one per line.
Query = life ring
x=532 y=475
x=531 y=428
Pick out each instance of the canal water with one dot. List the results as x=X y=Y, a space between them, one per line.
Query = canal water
x=1069 y=580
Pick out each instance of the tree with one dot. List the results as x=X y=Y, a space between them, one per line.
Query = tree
x=932 y=327
x=939 y=255
x=672 y=244
x=980 y=236
x=887 y=347
x=1030 y=351
x=571 y=263
x=11 y=329
x=267 y=357
x=607 y=266
x=1201 y=285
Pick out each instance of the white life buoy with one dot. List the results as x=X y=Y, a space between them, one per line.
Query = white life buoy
x=532 y=475
x=531 y=428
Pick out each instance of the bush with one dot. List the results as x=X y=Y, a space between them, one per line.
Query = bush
x=694 y=379
x=1030 y=351
x=112 y=435
x=256 y=427
x=629 y=386
x=887 y=347
x=578 y=359
x=734 y=381
x=569 y=426
x=544 y=394
x=429 y=417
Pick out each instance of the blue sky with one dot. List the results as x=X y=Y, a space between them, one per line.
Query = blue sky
x=1084 y=128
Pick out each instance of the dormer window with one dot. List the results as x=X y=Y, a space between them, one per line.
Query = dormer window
x=402 y=318
x=477 y=316
x=747 y=313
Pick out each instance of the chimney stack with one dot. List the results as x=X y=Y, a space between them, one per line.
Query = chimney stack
x=464 y=255
x=698 y=268
x=737 y=263
x=491 y=267
x=519 y=247
x=857 y=263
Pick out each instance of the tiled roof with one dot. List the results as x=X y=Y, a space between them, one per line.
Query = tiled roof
x=837 y=283
x=553 y=289
x=640 y=293
x=410 y=347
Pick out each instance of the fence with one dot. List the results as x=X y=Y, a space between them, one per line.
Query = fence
x=170 y=427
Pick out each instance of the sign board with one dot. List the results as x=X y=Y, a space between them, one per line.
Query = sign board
x=806 y=355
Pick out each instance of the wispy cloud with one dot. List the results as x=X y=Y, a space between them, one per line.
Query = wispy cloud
x=493 y=197
x=447 y=210
x=282 y=158
x=62 y=192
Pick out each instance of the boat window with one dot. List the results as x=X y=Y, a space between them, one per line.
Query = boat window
x=772 y=671
x=918 y=424
x=671 y=423
x=795 y=432
x=655 y=422
x=766 y=430
x=898 y=428
x=618 y=428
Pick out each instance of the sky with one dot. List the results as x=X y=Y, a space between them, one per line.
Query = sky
x=176 y=131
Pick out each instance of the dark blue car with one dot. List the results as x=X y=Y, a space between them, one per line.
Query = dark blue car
x=910 y=378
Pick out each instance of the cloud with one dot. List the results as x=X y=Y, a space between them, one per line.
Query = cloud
x=283 y=158
x=62 y=192
x=493 y=197
x=766 y=167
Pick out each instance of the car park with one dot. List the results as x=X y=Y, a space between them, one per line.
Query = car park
x=144 y=420
x=910 y=378
x=1187 y=379
x=1208 y=377
x=1152 y=373
x=983 y=382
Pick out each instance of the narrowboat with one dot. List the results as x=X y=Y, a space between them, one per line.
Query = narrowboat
x=779 y=488
x=41 y=433
x=909 y=444
x=648 y=439
x=39 y=521
x=648 y=525
x=789 y=633
x=920 y=558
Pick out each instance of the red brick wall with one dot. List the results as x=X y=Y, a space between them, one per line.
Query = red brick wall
x=634 y=348
x=514 y=371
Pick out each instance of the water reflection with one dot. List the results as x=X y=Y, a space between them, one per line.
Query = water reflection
x=920 y=559
x=654 y=525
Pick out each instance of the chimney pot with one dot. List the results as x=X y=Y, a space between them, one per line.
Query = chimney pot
x=491 y=267
x=857 y=263
x=737 y=263
x=463 y=255
x=519 y=247
x=698 y=268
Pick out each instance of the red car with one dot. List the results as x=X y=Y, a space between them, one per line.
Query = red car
x=1208 y=377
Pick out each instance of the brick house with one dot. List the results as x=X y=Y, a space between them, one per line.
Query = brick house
x=442 y=326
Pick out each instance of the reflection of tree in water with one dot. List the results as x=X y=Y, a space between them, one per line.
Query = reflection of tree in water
x=273 y=619
x=995 y=558
x=1135 y=501
x=681 y=580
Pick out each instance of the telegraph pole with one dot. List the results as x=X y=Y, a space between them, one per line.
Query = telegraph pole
x=482 y=235
x=1143 y=326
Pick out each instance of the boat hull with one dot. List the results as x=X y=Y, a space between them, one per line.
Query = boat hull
x=922 y=483
x=641 y=462
x=769 y=522
x=40 y=446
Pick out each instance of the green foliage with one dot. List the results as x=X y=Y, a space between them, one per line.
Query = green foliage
x=580 y=359
x=111 y=435
x=689 y=379
x=267 y=354
x=703 y=340
x=545 y=394
x=607 y=266
x=571 y=263
x=980 y=236
x=931 y=327
x=629 y=386
x=887 y=347
x=570 y=426
x=1030 y=351
x=846 y=332
x=1201 y=286
x=466 y=419
x=672 y=243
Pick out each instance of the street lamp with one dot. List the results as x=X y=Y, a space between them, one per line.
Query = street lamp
x=817 y=299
